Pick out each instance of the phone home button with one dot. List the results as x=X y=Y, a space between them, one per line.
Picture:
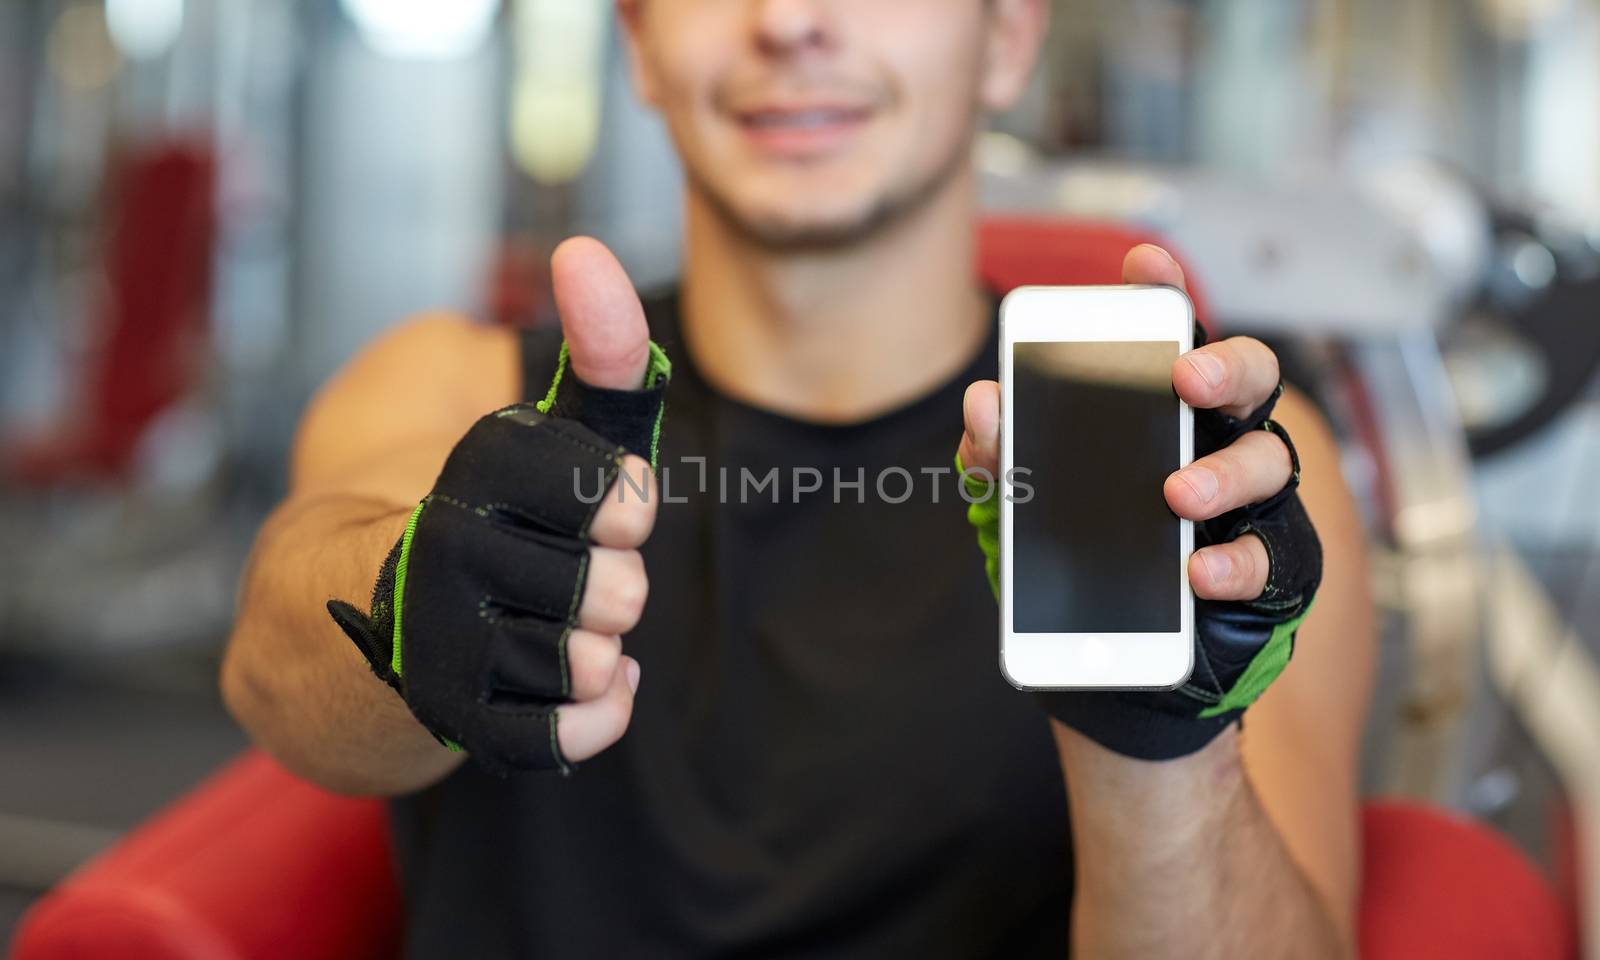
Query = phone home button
x=1095 y=657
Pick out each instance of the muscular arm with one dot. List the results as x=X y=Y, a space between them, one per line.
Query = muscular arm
x=367 y=451
x=1249 y=848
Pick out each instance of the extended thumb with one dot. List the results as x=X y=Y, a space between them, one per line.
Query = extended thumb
x=608 y=340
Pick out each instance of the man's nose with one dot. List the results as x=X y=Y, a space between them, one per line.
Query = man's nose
x=788 y=27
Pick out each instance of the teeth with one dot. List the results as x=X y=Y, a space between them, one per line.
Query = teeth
x=800 y=119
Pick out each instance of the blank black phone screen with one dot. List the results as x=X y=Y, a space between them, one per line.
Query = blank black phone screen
x=1094 y=435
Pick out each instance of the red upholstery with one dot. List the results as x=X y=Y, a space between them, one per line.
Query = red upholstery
x=1436 y=885
x=1018 y=251
x=253 y=864
x=258 y=864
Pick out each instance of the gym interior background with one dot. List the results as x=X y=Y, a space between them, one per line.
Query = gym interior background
x=207 y=205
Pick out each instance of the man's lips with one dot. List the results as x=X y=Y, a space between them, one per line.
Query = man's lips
x=800 y=131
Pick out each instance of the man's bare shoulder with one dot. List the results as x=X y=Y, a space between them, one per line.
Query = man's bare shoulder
x=397 y=407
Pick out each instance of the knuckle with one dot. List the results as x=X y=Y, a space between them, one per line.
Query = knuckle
x=627 y=588
x=575 y=734
x=1245 y=345
x=626 y=523
x=594 y=660
x=628 y=514
x=1251 y=355
x=1252 y=562
x=639 y=593
x=1269 y=363
x=1227 y=464
x=1283 y=464
x=1262 y=356
x=1244 y=567
x=1267 y=455
x=637 y=520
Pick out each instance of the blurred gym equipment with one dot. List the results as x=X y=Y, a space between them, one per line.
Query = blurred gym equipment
x=1528 y=346
x=348 y=189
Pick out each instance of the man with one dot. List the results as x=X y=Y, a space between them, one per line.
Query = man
x=823 y=760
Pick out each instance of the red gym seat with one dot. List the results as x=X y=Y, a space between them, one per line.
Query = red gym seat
x=258 y=865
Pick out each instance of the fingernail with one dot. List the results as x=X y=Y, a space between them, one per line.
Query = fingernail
x=1208 y=366
x=1218 y=566
x=1202 y=481
x=632 y=670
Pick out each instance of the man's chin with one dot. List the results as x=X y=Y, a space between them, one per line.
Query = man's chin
x=804 y=217
x=811 y=232
x=800 y=226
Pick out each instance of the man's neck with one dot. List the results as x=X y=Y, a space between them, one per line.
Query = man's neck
x=841 y=335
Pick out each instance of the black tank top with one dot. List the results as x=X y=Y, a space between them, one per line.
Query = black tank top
x=824 y=760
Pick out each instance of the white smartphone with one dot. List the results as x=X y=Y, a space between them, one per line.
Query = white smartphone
x=1094 y=591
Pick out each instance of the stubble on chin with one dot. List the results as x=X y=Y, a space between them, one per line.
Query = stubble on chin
x=799 y=233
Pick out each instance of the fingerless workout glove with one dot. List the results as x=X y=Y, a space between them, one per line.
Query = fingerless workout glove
x=1240 y=646
x=472 y=609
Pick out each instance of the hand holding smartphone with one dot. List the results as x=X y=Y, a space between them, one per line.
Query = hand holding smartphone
x=1094 y=592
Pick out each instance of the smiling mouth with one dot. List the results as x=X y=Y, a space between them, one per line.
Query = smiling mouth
x=809 y=119
x=801 y=133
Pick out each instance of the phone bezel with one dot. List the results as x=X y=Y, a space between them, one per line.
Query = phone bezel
x=1094 y=661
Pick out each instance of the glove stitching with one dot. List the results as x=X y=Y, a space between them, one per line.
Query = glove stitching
x=531 y=514
x=1200 y=693
x=561 y=647
x=459 y=504
x=583 y=561
x=1272 y=592
x=572 y=619
x=1277 y=605
x=577 y=589
x=546 y=423
x=1235 y=427
x=535 y=709
x=1196 y=693
x=1276 y=429
x=608 y=452
x=572 y=607
x=561 y=651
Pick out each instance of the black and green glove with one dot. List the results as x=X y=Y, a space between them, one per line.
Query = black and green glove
x=472 y=609
x=1240 y=646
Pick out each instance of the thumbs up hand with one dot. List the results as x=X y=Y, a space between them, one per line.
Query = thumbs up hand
x=498 y=616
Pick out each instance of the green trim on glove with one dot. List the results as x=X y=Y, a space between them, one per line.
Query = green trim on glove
x=984 y=515
x=659 y=366
x=1262 y=670
x=400 y=581
x=400 y=565
x=543 y=406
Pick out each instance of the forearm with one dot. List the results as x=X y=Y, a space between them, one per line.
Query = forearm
x=296 y=682
x=1178 y=859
